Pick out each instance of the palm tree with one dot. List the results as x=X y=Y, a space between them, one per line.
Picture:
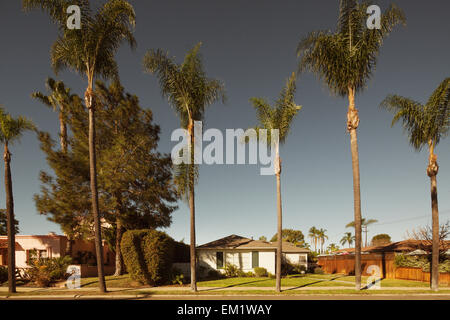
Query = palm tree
x=426 y=125
x=278 y=117
x=59 y=100
x=90 y=52
x=347 y=238
x=321 y=234
x=345 y=60
x=364 y=223
x=189 y=92
x=11 y=130
x=312 y=234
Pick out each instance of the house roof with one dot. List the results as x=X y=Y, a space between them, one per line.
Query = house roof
x=401 y=246
x=242 y=243
x=4 y=244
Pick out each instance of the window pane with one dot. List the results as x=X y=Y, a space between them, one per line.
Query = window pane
x=219 y=259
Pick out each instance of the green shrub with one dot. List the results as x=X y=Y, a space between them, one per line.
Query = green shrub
x=421 y=262
x=318 y=270
x=231 y=271
x=260 y=272
x=271 y=276
x=3 y=274
x=148 y=255
x=177 y=277
x=44 y=272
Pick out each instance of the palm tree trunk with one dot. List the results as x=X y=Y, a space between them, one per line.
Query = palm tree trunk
x=279 y=225
x=94 y=192
x=10 y=222
x=69 y=246
x=352 y=125
x=192 y=210
x=119 y=258
x=432 y=172
x=62 y=131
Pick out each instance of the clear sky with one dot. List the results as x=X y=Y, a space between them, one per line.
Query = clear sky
x=250 y=45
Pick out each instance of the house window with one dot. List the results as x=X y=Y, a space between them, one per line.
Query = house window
x=302 y=258
x=219 y=260
x=255 y=259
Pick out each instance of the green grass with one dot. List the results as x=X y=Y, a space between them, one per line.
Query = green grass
x=123 y=281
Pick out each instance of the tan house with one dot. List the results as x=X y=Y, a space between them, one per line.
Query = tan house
x=53 y=246
x=248 y=254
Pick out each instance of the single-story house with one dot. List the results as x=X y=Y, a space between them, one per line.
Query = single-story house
x=248 y=254
x=53 y=246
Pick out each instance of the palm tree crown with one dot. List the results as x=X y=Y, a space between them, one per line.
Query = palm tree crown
x=346 y=59
x=12 y=129
x=426 y=123
x=281 y=115
x=89 y=51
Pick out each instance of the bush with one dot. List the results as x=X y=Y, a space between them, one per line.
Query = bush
x=421 y=262
x=271 y=276
x=231 y=271
x=44 y=272
x=148 y=255
x=260 y=272
x=3 y=274
x=177 y=277
x=318 y=270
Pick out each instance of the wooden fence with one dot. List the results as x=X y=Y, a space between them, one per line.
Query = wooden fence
x=345 y=264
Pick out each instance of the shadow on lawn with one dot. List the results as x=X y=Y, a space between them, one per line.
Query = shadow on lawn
x=315 y=282
x=233 y=285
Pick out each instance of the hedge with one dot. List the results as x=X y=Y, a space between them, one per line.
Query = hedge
x=148 y=255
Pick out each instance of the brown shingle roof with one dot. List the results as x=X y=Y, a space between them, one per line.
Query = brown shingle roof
x=238 y=242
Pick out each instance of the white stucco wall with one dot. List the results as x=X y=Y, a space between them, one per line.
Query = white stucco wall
x=239 y=258
x=297 y=258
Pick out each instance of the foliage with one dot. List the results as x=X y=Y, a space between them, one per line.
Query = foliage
x=424 y=123
x=318 y=270
x=364 y=222
x=290 y=235
x=260 y=272
x=262 y=238
x=3 y=274
x=279 y=116
x=182 y=252
x=347 y=58
x=134 y=180
x=148 y=255
x=189 y=92
x=380 y=239
x=45 y=271
x=4 y=221
x=177 y=277
x=231 y=270
x=214 y=274
x=422 y=262
x=347 y=238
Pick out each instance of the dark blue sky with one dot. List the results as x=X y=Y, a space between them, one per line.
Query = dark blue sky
x=250 y=45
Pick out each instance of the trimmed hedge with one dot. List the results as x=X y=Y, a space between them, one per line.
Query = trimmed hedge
x=3 y=274
x=148 y=255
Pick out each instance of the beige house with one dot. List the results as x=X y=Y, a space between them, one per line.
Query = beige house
x=247 y=254
x=53 y=246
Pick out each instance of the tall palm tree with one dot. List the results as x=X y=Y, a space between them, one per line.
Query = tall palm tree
x=321 y=234
x=59 y=100
x=347 y=238
x=312 y=234
x=90 y=52
x=345 y=60
x=11 y=130
x=364 y=224
x=278 y=117
x=189 y=92
x=426 y=125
